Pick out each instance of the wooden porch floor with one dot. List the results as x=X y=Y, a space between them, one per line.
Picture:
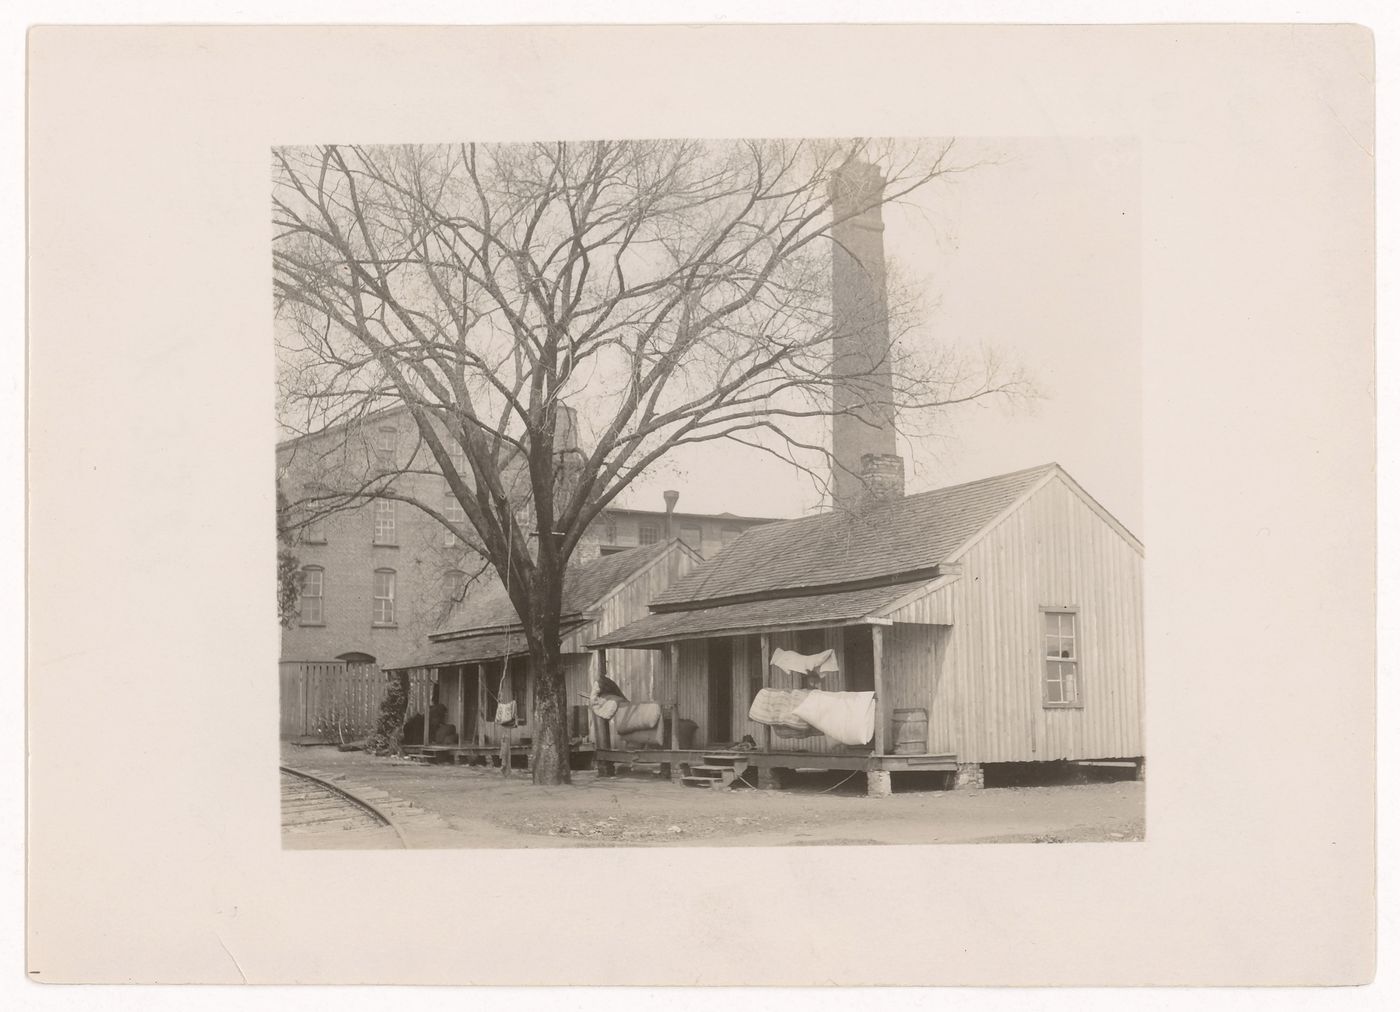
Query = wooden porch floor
x=779 y=759
x=455 y=753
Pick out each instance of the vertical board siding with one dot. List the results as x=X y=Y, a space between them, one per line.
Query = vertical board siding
x=747 y=667
x=639 y=673
x=1053 y=551
x=332 y=699
x=933 y=608
x=577 y=676
x=690 y=689
x=910 y=670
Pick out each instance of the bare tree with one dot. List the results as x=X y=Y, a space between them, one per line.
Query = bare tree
x=667 y=292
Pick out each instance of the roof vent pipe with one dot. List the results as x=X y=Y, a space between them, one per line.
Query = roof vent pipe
x=672 y=497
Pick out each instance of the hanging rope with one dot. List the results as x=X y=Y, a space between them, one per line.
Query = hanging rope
x=836 y=785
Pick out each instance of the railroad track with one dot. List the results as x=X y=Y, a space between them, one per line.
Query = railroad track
x=313 y=805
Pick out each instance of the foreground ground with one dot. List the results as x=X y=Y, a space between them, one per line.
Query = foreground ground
x=475 y=807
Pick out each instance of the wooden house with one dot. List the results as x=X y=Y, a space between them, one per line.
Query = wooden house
x=1007 y=612
x=479 y=655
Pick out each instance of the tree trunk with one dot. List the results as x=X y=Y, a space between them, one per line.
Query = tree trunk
x=550 y=751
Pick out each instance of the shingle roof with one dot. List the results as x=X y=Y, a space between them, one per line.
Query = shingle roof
x=585 y=584
x=812 y=609
x=909 y=534
x=464 y=651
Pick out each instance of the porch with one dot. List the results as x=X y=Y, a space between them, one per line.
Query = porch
x=462 y=695
x=713 y=671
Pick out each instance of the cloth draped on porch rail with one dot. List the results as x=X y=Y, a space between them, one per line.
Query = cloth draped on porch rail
x=776 y=708
x=848 y=717
x=791 y=661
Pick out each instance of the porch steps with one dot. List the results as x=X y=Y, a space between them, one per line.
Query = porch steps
x=719 y=770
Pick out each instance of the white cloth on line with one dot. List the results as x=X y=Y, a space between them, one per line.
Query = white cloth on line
x=791 y=661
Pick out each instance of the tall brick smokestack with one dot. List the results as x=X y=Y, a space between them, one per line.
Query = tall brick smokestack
x=863 y=425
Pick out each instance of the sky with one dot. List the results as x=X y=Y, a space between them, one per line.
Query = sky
x=1034 y=252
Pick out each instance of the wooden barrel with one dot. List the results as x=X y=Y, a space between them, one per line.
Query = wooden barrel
x=911 y=731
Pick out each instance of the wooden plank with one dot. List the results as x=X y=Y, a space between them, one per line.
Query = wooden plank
x=675 y=654
x=480 y=704
x=764 y=655
x=461 y=705
x=305 y=701
x=877 y=643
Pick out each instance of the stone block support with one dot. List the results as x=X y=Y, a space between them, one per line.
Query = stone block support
x=768 y=779
x=877 y=784
x=1141 y=769
x=968 y=777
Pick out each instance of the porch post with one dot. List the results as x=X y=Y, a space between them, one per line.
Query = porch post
x=877 y=643
x=763 y=649
x=877 y=781
x=602 y=737
x=675 y=660
x=461 y=706
x=481 y=706
x=427 y=702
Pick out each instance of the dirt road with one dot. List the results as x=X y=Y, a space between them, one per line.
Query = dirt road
x=476 y=807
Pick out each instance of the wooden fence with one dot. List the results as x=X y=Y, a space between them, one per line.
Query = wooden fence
x=335 y=700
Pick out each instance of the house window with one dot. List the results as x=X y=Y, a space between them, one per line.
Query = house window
x=386 y=444
x=384 y=521
x=313 y=591
x=728 y=534
x=691 y=535
x=454 y=512
x=383 y=597
x=648 y=534
x=610 y=530
x=1061 y=686
x=313 y=531
x=458 y=456
x=454 y=585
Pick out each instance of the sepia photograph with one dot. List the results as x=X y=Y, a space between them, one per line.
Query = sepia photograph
x=751 y=492
x=482 y=476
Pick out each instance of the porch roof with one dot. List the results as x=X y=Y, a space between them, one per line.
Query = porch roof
x=465 y=651
x=842 y=607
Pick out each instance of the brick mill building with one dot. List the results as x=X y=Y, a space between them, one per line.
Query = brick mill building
x=381 y=576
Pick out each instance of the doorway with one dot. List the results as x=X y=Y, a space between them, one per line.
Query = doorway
x=720 y=668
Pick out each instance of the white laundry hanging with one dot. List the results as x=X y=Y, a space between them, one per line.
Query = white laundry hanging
x=791 y=661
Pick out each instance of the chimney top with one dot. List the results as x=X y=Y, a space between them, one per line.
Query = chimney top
x=882 y=478
x=856 y=188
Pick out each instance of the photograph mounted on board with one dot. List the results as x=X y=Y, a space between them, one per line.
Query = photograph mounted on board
x=695 y=492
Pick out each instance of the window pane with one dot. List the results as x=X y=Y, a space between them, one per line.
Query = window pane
x=384 y=520
x=1052 y=686
x=647 y=534
x=311 y=590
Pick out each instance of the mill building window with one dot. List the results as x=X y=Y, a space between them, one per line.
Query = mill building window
x=384 y=597
x=313 y=590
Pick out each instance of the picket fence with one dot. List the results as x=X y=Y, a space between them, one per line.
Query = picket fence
x=337 y=700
